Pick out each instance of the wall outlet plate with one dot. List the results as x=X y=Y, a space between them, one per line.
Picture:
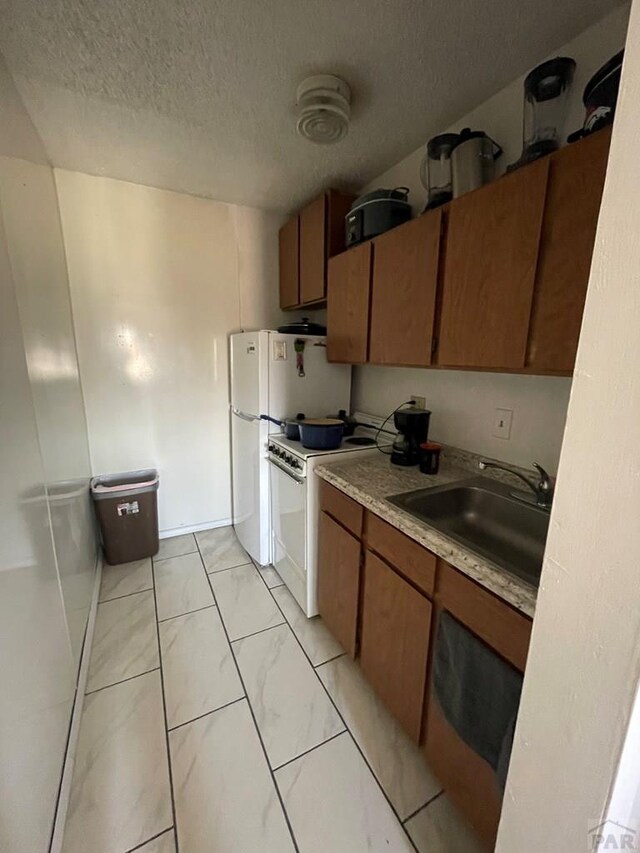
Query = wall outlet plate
x=421 y=402
x=502 y=423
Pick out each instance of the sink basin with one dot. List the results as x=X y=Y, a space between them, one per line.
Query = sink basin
x=482 y=515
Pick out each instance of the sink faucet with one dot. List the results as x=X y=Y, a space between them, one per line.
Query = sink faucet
x=543 y=490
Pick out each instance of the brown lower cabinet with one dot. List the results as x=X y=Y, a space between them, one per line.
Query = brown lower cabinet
x=339 y=581
x=381 y=599
x=469 y=781
x=394 y=642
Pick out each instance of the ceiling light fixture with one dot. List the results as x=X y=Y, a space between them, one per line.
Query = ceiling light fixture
x=324 y=108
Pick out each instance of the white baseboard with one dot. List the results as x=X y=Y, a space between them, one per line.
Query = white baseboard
x=195 y=528
x=76 y=715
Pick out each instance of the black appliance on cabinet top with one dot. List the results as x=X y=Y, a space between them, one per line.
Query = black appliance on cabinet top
x=546 y=92
x=375 y=212
x=600 y=97
x=413 y=428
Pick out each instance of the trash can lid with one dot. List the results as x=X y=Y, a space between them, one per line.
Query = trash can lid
x=130 y=481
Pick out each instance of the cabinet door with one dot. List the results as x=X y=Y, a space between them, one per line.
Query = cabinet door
x=288 y=255
x=492 y=244
x=576 y=180
x=394 y=644
x=313 y=251
x=403 y=298
x=338 y=581
x=468 y=780
x=348 y=305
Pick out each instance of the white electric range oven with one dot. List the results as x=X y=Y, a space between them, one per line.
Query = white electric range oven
x=295 y=504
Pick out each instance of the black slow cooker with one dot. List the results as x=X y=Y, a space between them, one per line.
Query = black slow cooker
x=375 y=212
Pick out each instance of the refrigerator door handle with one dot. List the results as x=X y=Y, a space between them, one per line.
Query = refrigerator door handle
x=244 y=415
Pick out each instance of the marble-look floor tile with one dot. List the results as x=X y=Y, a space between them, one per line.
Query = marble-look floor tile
x=176 y=546
x=120 y=794
x=125 y=579
x=438 y=828
x=397 y=762
x=334 y=803
x=220 y=549
x=125 y=641
x=269 y=576
x=314 y=636
x=198 y=668
x=292 y=711
x=224 y=794
x=246 y=605
x=165 y=843
x=181 y=585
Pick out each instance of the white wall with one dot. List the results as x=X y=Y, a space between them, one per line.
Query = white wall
x=584 y=661
x=47 y=550
x=463 y=403
x=158 y=280
x=29 y=205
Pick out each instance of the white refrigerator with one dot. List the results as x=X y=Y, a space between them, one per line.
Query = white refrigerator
x=266 y=378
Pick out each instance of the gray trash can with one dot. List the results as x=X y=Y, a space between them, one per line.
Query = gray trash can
x=127 y=510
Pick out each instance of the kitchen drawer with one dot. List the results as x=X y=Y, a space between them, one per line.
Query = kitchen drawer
x=412 y=560
x=504 y=629
x=343 y=509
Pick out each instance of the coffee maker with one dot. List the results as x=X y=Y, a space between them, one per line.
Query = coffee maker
x=413 y=427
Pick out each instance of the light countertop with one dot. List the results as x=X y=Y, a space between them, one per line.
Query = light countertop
x=372 y=479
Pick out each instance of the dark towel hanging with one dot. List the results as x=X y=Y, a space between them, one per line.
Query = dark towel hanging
x=478 y=692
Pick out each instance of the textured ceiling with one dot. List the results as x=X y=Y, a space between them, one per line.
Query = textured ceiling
x=200 y=96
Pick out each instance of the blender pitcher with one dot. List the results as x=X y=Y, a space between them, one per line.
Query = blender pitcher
x=546 y=91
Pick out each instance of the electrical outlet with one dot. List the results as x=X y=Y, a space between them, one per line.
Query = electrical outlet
x=421 y=402
x=502 y=423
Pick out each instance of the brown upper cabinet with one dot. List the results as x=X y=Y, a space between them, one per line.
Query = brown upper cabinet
x=312 y=251
x=492 y=243
x=348 y=306
x=574 y=192
x=403 y=300
x=289 y=263
x=495 y=280
x=307 y=241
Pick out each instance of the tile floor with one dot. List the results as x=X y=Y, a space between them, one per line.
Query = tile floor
x=218 y=719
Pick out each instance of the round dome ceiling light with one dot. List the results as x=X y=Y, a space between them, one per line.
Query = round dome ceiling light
x=324 y=108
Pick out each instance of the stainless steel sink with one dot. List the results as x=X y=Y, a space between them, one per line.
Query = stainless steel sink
x=483 y=515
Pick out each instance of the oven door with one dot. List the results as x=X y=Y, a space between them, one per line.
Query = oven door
x=289 y=526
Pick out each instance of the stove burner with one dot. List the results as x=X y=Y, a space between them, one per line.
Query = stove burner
x=361 y=440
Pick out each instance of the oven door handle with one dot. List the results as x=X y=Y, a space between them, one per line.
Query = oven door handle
x=297 y=480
